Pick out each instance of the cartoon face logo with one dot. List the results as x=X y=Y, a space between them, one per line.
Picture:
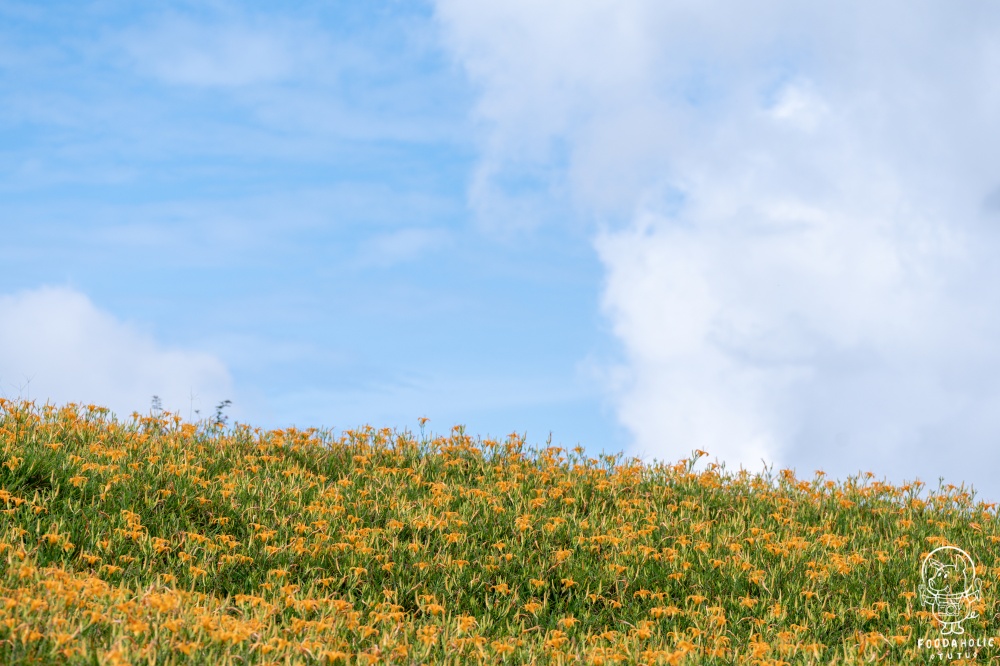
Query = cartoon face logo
x=950 y=587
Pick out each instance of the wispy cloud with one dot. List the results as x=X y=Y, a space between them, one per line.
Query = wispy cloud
x=401 y=246
x=222 y=53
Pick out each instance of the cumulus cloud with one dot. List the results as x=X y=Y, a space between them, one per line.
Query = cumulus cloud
x=57 y=346
x=795 y=207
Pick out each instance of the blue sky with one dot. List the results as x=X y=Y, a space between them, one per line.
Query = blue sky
x=286 y=192
x=766 y=232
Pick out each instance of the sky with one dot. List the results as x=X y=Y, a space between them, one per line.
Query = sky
x=763 y=230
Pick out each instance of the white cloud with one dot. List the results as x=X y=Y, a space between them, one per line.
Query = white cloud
x=57 y=346
x=799 y=107
x=797 y=217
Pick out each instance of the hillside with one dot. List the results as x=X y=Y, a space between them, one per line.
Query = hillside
x=158 y=541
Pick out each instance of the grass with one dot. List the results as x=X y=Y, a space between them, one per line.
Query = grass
x=162 y=542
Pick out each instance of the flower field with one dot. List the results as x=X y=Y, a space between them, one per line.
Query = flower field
x=155 y=541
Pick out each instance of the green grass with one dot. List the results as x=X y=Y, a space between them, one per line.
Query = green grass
x=157 y=541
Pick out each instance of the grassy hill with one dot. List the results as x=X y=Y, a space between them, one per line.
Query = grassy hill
x=162 y=542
